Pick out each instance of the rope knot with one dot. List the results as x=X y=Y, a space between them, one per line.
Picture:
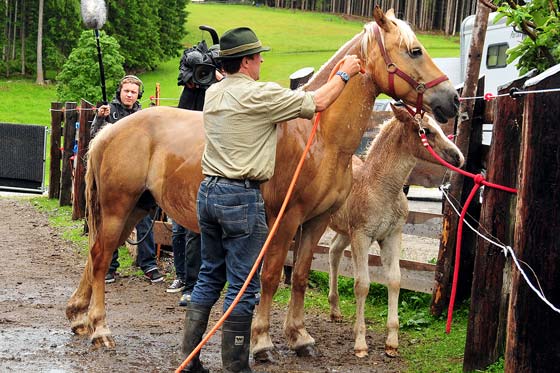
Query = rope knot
x=478 y=179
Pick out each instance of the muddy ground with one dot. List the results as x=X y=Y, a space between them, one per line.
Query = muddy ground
x=40 y=270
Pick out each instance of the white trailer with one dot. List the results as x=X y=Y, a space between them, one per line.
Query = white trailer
x=499 y=38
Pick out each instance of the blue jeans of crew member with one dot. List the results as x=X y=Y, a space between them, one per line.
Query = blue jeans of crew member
x=146 y=258
x=186 y=255
x=233 y=230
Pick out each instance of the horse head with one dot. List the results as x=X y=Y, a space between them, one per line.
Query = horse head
x=437 y=139
x=391 y=52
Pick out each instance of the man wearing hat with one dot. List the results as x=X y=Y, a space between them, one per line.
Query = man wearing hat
x=240 y=116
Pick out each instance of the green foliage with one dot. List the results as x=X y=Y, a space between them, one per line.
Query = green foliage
x=539 y=20
x=172 y=30
x=80 y=77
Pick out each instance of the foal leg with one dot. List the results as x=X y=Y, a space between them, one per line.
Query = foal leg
x=294 y=329
x=337 y=246
x=360 y=251
x=390 y=258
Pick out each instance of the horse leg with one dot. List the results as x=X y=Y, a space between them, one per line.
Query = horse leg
x=390 y=258
x=78 y=304
x=360 y=250
x=337 y=246
x=297 y=336
x=262 y=346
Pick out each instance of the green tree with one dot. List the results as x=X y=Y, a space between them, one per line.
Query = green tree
x=539 y=20
x=172 y=15
x=80 y=78
x=136 y=24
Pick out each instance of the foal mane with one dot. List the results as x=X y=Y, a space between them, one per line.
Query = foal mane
x=384 y=127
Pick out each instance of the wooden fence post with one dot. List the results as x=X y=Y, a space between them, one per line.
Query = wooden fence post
x=533 y=341
x=444 y=267
x=79 y=201
x=56 y=129
x=71 y=117
x=490 y=287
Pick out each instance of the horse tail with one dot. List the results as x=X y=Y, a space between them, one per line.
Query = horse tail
x=92 y=200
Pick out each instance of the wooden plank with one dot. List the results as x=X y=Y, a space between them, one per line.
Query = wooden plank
x=56 y=135
x=79 y=200
x=71 y=115
x=415 y=276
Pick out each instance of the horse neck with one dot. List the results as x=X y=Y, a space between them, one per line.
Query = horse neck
x=389 y=160
x=322 y=76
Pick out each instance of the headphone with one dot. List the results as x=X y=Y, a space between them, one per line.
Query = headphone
x=132 y=77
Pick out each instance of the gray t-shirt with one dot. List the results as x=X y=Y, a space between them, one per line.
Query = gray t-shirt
x=240 y=117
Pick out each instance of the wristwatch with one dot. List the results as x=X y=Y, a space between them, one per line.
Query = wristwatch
x=345 y=78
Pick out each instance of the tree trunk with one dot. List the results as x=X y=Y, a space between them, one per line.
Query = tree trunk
x=40 y=77
x=23 y=37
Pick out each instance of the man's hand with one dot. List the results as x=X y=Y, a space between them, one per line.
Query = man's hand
x=351 y=65
x=103 y=111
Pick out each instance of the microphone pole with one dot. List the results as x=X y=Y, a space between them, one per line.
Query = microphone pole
x=101 y=68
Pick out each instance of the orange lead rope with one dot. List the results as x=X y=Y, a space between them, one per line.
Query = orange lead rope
x=267 y=242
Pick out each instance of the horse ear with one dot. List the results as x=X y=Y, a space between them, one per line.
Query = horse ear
x=381 y=18
x=390 y=13
x=400 y=113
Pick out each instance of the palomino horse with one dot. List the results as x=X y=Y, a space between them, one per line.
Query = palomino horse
x=376 y=210
x=153 y=156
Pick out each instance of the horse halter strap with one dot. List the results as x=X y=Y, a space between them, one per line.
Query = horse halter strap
x=393 y=69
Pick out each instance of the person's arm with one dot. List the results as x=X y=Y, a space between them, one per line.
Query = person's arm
x=99 y=120
x=326 y=94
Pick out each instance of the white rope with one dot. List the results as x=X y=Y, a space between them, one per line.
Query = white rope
x=505 y=250
x=490 y=96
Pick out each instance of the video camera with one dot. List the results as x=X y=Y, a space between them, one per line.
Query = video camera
x=198 y=64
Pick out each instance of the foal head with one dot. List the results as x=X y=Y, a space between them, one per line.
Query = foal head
x=401 y=67
x=442 y=145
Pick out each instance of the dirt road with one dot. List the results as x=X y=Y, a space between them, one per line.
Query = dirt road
x=40 y=270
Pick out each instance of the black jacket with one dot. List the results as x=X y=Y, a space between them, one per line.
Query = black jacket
x=118 y=111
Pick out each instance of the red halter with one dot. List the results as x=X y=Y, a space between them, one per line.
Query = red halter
x=393 y=69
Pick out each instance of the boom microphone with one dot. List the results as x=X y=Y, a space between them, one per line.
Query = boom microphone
x=94 y=13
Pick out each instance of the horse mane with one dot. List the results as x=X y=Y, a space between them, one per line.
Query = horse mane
x=367 y=36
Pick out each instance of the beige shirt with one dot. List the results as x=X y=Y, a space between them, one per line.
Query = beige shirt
x=240 y=117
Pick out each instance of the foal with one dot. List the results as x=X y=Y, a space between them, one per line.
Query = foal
x=376 y=210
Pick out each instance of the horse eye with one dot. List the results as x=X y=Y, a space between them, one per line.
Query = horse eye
x=415 y=52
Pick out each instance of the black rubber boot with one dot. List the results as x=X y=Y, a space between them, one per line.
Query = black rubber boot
x=196 y=321
x=236 y=343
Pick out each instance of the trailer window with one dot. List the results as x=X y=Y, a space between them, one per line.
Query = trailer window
x=496 y=56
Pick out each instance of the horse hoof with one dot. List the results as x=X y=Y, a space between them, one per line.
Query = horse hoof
x=391 y=352
x=103 y=341
x=361 y=353
x=80 y=329
x=337 y=318
x=307 y=351
x=265 y=356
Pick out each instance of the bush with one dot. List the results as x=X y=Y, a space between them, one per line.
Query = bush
x=80 y=76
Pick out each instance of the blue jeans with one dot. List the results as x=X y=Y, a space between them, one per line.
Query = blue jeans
x=233 y=230
x=186 y=255
x=146 y=258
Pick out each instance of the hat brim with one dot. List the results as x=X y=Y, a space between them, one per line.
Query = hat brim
x=244 y=53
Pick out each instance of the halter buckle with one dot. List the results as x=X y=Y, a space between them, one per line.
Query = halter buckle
x=391 y=68
x=421 y=88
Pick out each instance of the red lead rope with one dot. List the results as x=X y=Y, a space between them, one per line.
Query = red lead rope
x=478 y=180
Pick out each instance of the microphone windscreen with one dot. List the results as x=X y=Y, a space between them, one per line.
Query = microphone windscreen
x=94 y=13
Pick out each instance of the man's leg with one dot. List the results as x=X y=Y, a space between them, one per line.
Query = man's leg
x=146 y=258
x=178 y=246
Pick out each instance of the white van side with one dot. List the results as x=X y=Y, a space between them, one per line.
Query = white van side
x=499 y=38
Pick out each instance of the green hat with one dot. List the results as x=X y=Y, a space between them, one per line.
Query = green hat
x=240 y=42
